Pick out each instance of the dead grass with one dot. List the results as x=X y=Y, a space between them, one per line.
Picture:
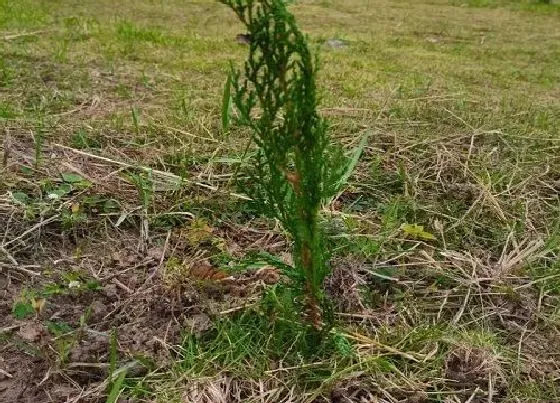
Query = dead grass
x=118 y=210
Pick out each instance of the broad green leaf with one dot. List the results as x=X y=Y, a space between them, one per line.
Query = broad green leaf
x=69 y=177
x=61 y=190
x=21 y=310
x=20 y=197
x=58 y=328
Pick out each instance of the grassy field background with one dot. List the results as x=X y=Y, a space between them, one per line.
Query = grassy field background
x=111 y=264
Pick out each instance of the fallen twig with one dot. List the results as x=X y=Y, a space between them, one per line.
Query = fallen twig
x=174 y=129
x=9 y=328
x=30 y=230
x=369 y=341
x=22 y=34
x=122 y=286
x=20 y=268
x=9 y=256
x=175 y=179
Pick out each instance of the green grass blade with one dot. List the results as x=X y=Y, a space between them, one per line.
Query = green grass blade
x=112 y=356
x=226 y=105
x=116 y=389
x=135 y=119
x=356 y=154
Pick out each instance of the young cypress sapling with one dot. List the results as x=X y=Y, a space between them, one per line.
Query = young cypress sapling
x=296 y=168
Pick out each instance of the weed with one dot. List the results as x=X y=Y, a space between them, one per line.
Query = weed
x=135 y=120
x=22 y=309
x=7 y=111
x=128 y=31
x=145 y=187
x=6 y=74
x=61 y=51
x=82 y=139
x=64 y=340
x=252 y=338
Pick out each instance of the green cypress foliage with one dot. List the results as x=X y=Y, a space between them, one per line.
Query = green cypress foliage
x=294 y=170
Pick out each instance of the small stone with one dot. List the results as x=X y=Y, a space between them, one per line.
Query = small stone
x=111 y=291
x=337 y=43
x=198 y=323
x=31 y=332
x=268 y=274
x=243 y=39
x=98 y=308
